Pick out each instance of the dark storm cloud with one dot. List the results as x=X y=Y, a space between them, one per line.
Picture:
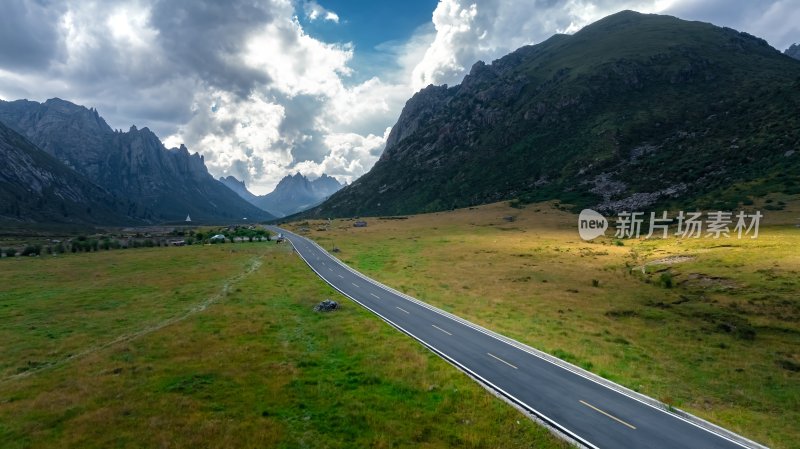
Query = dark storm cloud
x=300 y=112
x=195 y=46
x=29 y=34
x=239 y=170
x=203 y=37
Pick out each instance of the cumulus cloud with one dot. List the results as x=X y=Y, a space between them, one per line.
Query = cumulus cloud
x=349 y=153
x=206 y=38
x=30 y=34
x=109 y=59
x=468 y=31
x=316 y=11
x=244 y=84
x=241 y=82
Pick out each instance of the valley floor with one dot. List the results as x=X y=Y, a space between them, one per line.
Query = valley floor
x=219 y=346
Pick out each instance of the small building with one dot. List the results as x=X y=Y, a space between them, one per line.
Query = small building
x=217 y=238
x=178 y=242
x=360 y=224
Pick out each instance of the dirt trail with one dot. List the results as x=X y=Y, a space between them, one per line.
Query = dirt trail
x=253 y=265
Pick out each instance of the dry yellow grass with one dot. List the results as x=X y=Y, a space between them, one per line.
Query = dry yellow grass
x=723 y=342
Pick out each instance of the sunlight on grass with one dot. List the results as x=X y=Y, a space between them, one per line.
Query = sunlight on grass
x=258 y=368
x=709 y=326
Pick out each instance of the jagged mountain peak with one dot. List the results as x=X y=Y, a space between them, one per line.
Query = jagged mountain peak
x=793 y=51
x=230 y=178
x=161 y=184
x=64 y=104
x=292 y=194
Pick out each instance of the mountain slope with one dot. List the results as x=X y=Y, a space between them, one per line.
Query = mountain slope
x=240 y=189
x=793 y=51
x=159 y=184
x=35 y=187
x=632 y=111
x=296 y=193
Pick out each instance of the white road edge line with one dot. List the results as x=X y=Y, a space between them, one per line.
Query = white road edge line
x=563 y=365
x=437 y=327
x=498 y=358
x=527 y=349
x=555 y=425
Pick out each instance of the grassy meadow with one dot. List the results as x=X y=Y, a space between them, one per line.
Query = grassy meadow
x=709 y=326
x=218 y=346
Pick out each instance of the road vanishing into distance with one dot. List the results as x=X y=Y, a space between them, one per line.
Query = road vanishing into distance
x=572 y=402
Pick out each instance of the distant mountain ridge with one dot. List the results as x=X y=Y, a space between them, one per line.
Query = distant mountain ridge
x=134 y=167
x=293 y=194
x=240 y=189
x=631 y=112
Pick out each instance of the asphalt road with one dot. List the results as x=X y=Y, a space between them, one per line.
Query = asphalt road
x=585 y=410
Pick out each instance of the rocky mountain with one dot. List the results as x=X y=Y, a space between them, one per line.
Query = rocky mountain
x=240 y=189
x=632 y=112
x=36 y=187
x=296 y=193
x=157 y=184
x=793 y=51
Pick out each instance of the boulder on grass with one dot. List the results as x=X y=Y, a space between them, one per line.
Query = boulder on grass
x=326 y=306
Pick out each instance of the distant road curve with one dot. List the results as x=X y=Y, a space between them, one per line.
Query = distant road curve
x=591 y=411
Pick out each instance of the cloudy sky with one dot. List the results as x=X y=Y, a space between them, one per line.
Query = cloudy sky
x=263 y=88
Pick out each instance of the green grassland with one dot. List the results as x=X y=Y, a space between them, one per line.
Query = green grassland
x=711 y=326
x=218 y=346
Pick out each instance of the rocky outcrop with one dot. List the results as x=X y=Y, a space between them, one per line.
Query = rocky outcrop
x=327 y=305
x=36 y=187
x=793 y=51
x=421 y=108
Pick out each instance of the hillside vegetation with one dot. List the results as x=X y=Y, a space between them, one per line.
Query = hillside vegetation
x=633 y=111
